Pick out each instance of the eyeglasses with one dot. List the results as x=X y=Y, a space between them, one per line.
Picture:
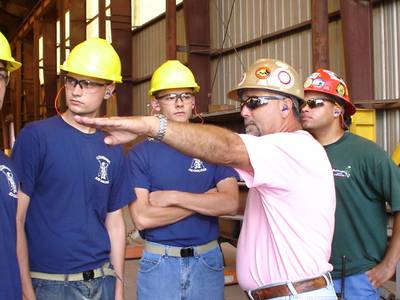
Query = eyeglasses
x=314 y=102
x=173 y=97
x=84 y=84
x=4 y=78
x=253 y=102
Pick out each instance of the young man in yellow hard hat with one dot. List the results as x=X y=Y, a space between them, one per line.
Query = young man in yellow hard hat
x=178 y=200
x=365 y=180
x=10 y=284
x=285 y=240
x=73 y=190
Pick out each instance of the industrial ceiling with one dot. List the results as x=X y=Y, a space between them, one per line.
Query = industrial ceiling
x=12 y=14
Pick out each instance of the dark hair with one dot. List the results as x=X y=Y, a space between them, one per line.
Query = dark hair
x=296 y=106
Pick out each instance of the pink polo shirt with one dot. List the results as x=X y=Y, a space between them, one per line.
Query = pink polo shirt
x=289 y=218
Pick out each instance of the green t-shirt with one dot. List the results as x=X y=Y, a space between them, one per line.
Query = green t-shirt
x=365 y=179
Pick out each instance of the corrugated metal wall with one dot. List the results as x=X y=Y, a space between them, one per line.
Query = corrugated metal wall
x=251 y=19
x=292 y=49
x=148 y=52
x=386 y=18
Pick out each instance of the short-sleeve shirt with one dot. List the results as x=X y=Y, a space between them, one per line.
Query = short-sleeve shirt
x=365 y=179
x=10 y=285
x=289 y=217
x=155 y=166
x=73 y=180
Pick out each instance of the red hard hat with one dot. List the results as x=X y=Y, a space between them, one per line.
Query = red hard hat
x=328 y=82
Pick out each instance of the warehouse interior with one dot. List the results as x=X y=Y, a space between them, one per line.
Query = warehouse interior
x=217 y=39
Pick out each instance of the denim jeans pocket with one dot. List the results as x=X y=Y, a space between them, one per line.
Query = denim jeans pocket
x=213 y=260
x=41 y=283
x=367 y=286
x=149 y=262
x=47 y=289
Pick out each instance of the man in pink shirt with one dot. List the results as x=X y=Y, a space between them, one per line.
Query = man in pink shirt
x=285 y=242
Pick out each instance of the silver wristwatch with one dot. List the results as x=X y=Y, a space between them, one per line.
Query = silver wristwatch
x=163 y=127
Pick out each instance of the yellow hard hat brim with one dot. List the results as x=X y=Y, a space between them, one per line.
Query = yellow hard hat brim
x=12 y=65
x=114 y=79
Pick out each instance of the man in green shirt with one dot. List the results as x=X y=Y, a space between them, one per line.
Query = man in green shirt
x=365 y=180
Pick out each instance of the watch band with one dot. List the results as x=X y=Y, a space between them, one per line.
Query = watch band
x=163 y=127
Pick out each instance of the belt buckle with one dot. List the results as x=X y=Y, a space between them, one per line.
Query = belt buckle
x=88 y=275
x=187 y=252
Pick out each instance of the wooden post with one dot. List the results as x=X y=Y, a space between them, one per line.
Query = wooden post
x=171 y=28
x=198 y=40
x=320 y=34
x=358 y=47
x=122 y=42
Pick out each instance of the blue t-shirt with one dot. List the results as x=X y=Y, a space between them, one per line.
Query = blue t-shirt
x=156 y=166
x=73 y=180
x=10 y=285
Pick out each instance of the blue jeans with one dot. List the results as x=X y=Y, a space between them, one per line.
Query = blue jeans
x=102 y=288
x=166 y=277
x=357 y=287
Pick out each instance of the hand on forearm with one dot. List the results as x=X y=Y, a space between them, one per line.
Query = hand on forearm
x=170 y=198
x=215 y=202
x=162 y=198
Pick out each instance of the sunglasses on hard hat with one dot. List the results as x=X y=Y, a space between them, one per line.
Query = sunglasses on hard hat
x=253 y=102
x=314 y=102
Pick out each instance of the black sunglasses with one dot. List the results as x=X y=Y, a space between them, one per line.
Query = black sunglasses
x=314 y=102
x=253 y=102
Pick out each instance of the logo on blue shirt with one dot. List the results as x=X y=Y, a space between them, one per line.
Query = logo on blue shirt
x=197 y=166
x=10 y=179
x=102 y=174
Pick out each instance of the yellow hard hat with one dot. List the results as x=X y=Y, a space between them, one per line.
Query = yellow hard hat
x=172 y=75
x=5 y=55
x=94 y=57
x=270 y=74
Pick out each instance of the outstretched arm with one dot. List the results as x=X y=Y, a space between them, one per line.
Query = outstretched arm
x=210 y=143
x=387 y=267
x=223 y=200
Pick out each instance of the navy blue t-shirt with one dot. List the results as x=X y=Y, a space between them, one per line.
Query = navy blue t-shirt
x=156 y=166
x=10 y=285
x=73 y=180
